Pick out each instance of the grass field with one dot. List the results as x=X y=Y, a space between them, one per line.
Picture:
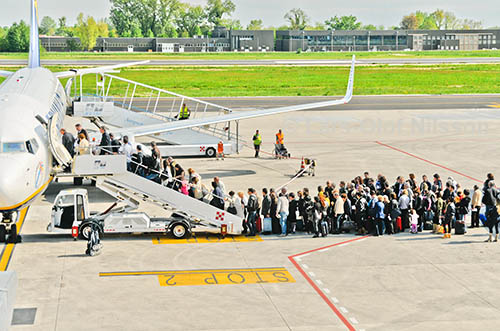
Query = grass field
x=312 y=81
x=253 y=56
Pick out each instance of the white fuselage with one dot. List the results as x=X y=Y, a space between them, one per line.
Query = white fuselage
x=25 y=158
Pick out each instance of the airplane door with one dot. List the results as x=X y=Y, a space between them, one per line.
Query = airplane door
x=58 y=150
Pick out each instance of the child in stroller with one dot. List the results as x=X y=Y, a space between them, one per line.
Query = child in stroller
x=280 y=151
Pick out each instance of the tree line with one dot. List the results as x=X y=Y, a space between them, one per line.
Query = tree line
x=173 y=18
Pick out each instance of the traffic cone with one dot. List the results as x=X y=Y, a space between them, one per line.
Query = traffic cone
x=302 y=165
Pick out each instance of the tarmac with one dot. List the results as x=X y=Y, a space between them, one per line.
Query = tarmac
x=347 y=62
x=410 y=282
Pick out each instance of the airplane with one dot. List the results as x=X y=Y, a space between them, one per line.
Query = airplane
x=33 y=105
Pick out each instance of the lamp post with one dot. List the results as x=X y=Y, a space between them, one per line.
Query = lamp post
x=303 y=36
x=332 y=40
x=397 y=48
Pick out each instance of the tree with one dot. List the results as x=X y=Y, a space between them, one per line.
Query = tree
x=216 y=9
x=255 y=25
x=450 y=21
x=410 y=22
x=231 y=24
x=343 y=23
x=468 y=24
x=18 y=37
x=3 y=39
x=297 y=18
x=425 y=21
x=87 y=30
x=47 y=26
x=190 y=20
x=439 y=18
x=157 y=16
x=102 y=29
x=369 y=27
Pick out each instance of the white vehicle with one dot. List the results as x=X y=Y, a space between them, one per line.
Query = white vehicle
x=71 y=215
x=191 y=150
x=33 y=105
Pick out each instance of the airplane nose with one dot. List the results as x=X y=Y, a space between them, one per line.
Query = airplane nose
x=12 y=185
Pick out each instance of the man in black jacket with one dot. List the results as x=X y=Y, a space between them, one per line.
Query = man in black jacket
x=105 y=143
x=266 y=204
x=252 y=207
x=490 y=201
x=293 y=207
x=68 y=141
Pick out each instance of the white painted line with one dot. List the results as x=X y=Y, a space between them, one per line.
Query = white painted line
x=353 y=320
x=319 y=282
x=343 y=244
x=312 y=274
x=324 y=250
x=304 y=255
x=361 y=240
x=345 y=311
x=305 y=266
x=327 y=291
x=335 y=300
x=297 y=258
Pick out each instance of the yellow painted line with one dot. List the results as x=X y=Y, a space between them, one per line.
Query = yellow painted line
x=199 y=239
x=213 y=277
x=9 y=248
x=495 y=105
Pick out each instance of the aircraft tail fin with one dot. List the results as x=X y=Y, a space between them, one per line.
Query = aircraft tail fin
x=34 y=55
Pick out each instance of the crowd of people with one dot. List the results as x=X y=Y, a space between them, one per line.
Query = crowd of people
x=364 y=205
x=372 y=206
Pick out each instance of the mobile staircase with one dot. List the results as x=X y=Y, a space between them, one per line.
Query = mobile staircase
x=135 y=104
x=111 y=176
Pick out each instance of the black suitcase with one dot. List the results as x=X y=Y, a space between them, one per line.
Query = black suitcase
x=428 y=225
x=459 y=228
x=300 y=225
x=276 y=226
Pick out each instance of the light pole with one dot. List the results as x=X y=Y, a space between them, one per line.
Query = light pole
x=332 y=40
x=303 y=36
x=397 y=48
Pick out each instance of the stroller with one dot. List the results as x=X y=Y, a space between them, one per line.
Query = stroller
x=280 y=152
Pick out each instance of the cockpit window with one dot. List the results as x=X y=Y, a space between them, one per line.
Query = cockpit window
x=13 y=147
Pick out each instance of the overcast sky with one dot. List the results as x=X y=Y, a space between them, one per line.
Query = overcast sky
x=378 y=12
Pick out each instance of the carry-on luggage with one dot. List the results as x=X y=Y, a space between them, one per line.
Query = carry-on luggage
x=428 y=225
x=399 y=224
x=258 y=224
x=300 y=225
x=276 y=226
x=459 y=227
x=267 y=227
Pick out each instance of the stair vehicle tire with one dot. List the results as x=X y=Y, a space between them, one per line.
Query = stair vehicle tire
x=179 y=231
x=210 y=152
x=3 y=233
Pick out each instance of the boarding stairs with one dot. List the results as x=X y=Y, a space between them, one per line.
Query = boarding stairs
x=136 y=104
x=111 y=175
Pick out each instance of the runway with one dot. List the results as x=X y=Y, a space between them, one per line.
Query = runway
x=359 y=103
x=340 y=62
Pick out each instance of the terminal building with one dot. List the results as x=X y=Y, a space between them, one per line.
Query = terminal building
x=223 y=40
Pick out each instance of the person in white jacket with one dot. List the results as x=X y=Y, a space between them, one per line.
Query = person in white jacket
x=282 y=211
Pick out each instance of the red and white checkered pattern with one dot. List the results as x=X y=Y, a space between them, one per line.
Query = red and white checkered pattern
x=220 y=215
x=202 y=149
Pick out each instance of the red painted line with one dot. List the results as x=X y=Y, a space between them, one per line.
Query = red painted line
x=430 y=162
x=316 y=288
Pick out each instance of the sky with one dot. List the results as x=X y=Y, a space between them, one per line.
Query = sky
x=377 y=12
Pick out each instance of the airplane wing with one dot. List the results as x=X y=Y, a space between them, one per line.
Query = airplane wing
x=5 y=73
x=146 y=130
x=98 y=70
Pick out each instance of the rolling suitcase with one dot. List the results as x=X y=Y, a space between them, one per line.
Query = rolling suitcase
x=300 y=225
x=399 y=224
x=459 y=227
x=258 y=224
x=267 y=227
x=276 y=227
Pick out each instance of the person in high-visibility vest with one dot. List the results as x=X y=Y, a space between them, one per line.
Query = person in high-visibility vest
x=184 y=113
x=220 y=150
x=280 y=138
x=257 y=141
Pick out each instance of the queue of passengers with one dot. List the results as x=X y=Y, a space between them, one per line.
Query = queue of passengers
x=372 y=206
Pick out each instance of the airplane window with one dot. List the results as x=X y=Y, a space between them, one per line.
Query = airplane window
x=15 y=147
